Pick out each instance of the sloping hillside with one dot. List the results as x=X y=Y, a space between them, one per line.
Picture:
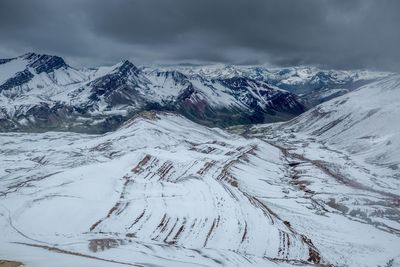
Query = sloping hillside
x=162 y=190
x=364 y=122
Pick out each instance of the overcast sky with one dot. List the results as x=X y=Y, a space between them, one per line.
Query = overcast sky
x=328 y=33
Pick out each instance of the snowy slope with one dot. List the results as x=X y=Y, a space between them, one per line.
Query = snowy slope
x=363 y=122
x=345 y=153
x=160 y=187
x=164 y=191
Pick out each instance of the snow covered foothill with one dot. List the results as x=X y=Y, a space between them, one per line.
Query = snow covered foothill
x=363 y=122
x=344 y=154
x=162 y=190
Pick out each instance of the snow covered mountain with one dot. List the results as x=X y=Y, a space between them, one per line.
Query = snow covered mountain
x=363 y=122
x=313 y=85
x=164 y=191
x=43 y=92
x=175 y=191
x=345 y=153
x=161 y=190
x=361 y=128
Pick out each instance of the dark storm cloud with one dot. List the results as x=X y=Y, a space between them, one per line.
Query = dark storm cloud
x=337 y=34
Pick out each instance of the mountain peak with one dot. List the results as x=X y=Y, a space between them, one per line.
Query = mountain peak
x=29 y=55
x=125 y=67
x=44 y=63
x=127 y=63
x=174 y=74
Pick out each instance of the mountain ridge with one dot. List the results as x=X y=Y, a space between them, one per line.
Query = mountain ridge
x=42 y=92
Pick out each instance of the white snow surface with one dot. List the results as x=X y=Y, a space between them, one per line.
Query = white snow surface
x=165 y=191
x=364 y=122
x=345 y=153
x=9 y=69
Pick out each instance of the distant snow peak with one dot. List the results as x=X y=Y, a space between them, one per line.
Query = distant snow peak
x=126 y=66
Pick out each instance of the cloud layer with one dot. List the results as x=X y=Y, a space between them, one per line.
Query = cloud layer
x=332 y=34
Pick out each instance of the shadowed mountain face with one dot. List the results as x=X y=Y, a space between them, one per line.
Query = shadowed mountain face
x=42 y=92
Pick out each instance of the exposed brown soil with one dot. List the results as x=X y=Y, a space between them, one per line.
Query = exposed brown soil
x=225 y=174
x=164 y=170
x=204 y=150
x=325 y=168
x=6 y=263
x=139 y=167
x=96 y=245
x=313 y=254
x=206 y=167
x=149 y=115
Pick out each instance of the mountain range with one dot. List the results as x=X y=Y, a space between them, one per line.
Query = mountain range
x=42 y=92
x=119 y=165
